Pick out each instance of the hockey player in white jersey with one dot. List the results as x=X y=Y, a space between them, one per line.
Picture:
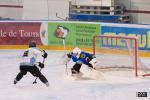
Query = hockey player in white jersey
x=28 y=63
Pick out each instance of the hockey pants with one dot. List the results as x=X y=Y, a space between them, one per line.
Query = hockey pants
x=33 y=70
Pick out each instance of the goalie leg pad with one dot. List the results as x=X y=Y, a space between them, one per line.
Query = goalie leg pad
x=76 y=68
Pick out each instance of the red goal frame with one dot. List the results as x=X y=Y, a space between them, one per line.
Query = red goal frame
x=135 y=39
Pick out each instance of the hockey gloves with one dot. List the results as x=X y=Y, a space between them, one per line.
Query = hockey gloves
x=88 y=59
x=92 y=63
x=69 y=55
x=45 y=55
x=41 y=65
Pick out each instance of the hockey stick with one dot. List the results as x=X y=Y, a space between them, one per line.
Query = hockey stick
x=64 y=44
x=65 y=54
x=35 y=81
x=66 y=68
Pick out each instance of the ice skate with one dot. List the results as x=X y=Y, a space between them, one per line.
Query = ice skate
x=15 y=81
x=47 y=84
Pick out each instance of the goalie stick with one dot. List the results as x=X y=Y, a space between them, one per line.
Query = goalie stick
x=65 y=54
x=66 y=68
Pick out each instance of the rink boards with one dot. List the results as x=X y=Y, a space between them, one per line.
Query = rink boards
x=17 y=34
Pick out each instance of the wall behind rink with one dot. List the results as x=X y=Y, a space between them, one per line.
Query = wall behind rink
x=45 y=9
x=138 y=9
x=11 y=9
x=16 y=35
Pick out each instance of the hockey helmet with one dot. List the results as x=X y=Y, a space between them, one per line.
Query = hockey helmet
x=76 y=51
x=32 y=44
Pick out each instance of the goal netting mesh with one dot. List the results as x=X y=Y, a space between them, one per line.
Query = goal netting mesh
x=118 y=53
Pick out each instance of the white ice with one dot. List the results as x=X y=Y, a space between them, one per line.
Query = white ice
x=63 y=87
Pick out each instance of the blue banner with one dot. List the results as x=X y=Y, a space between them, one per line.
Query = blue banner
x=143 y=35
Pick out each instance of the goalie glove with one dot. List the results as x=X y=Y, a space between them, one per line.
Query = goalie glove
x=67 y=60
x=93 y=63
x=88 y=59
x=69 y=55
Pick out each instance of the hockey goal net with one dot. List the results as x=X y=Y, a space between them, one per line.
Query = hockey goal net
x=118 y=53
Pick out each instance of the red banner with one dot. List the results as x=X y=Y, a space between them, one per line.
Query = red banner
x=19 y=33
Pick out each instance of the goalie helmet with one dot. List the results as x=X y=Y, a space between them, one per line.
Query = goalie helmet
x=32 y=44
x=76 y=51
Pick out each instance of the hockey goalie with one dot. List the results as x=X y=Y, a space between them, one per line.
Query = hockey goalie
x=80 y=57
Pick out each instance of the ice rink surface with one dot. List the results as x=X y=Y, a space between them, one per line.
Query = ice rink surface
x=62 y=86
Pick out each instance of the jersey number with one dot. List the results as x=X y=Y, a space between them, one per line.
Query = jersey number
x=82 y=55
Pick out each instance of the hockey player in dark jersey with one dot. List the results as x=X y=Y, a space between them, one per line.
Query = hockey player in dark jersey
x=28 y=63
x=81 y=57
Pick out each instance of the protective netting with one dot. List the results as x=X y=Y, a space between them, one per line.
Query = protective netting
x=118 y=53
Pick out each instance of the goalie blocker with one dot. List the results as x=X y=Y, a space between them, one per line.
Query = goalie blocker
x=81 y=57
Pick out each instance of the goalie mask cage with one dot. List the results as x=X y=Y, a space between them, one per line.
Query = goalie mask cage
x=118 y=53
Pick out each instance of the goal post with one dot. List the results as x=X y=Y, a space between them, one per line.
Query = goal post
x=114 y=51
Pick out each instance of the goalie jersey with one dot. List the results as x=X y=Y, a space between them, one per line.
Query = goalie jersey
x=83 y=58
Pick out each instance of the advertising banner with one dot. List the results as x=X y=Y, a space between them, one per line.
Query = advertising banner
x=143 y=34
x=20 y=33
x=75 y=34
